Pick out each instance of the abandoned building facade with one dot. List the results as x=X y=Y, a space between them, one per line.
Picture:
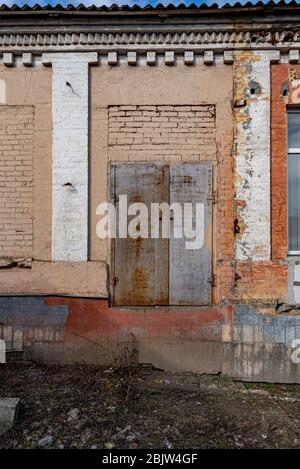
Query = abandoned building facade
x=191 y=102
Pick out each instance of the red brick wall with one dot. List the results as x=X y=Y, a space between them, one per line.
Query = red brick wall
x=279 y=75
x=261 y=281
x=268 y=281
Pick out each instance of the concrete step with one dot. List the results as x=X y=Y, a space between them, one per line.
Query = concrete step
x=9 y=408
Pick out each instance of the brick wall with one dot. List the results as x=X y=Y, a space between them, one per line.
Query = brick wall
x=16 y=180
x=280 y=79
x=162 y=133
x=261 y=281
x=187 y=133
x=252 y=155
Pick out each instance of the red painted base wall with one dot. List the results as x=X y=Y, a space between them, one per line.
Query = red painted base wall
x=166 y=337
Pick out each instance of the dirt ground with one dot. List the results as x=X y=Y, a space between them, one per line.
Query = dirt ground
x=92 y=407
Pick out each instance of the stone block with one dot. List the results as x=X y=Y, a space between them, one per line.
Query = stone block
x=188 y=57
x=9 y=408
x=228 y=57
x=151 y=58
x=208 y=57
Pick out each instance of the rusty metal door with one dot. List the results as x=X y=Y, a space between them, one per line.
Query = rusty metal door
x=190 y=269
x=140 y=265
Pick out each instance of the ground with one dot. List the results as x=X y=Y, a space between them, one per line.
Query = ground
x=140 y=407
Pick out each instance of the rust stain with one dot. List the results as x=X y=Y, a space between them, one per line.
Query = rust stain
x=182 y=179
x=140 y=286
x=140 y=278
x=136 y=198
x=187 y=180
x=138 y=246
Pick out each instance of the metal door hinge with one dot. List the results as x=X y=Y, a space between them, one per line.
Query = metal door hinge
x=115 y=198
x=212 y=281
x=115 y=280
x=214 y=197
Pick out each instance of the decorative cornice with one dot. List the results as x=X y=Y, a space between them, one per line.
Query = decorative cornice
x=150 y=47
x=150 y=57
x=141 y=40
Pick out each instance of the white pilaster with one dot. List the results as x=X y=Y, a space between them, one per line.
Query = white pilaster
x=252 y=157
x=70 y=154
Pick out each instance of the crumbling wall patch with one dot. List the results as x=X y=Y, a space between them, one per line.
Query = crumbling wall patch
x=252 y=154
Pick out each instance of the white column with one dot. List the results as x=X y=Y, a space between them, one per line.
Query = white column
x=252 y=155
x=70 y=89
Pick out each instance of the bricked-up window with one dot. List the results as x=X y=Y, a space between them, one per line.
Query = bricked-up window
x=293 y=180
x=162 y=133
x=16 y=181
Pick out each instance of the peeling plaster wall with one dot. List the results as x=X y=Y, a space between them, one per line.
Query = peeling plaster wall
x=32 y=86
x=150 y=86
x=261 y=271
x=246 y=332
x=252 y=155
x=171 y=338
x=201 y=340
x=141 y=85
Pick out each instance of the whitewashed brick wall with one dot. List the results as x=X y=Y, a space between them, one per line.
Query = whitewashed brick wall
x=70 y=154
x=252 y=152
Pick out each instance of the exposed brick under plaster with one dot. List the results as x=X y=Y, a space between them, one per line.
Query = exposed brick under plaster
x=252 y=155
x=16 y=181
x=200 y=339
x=261 y=272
